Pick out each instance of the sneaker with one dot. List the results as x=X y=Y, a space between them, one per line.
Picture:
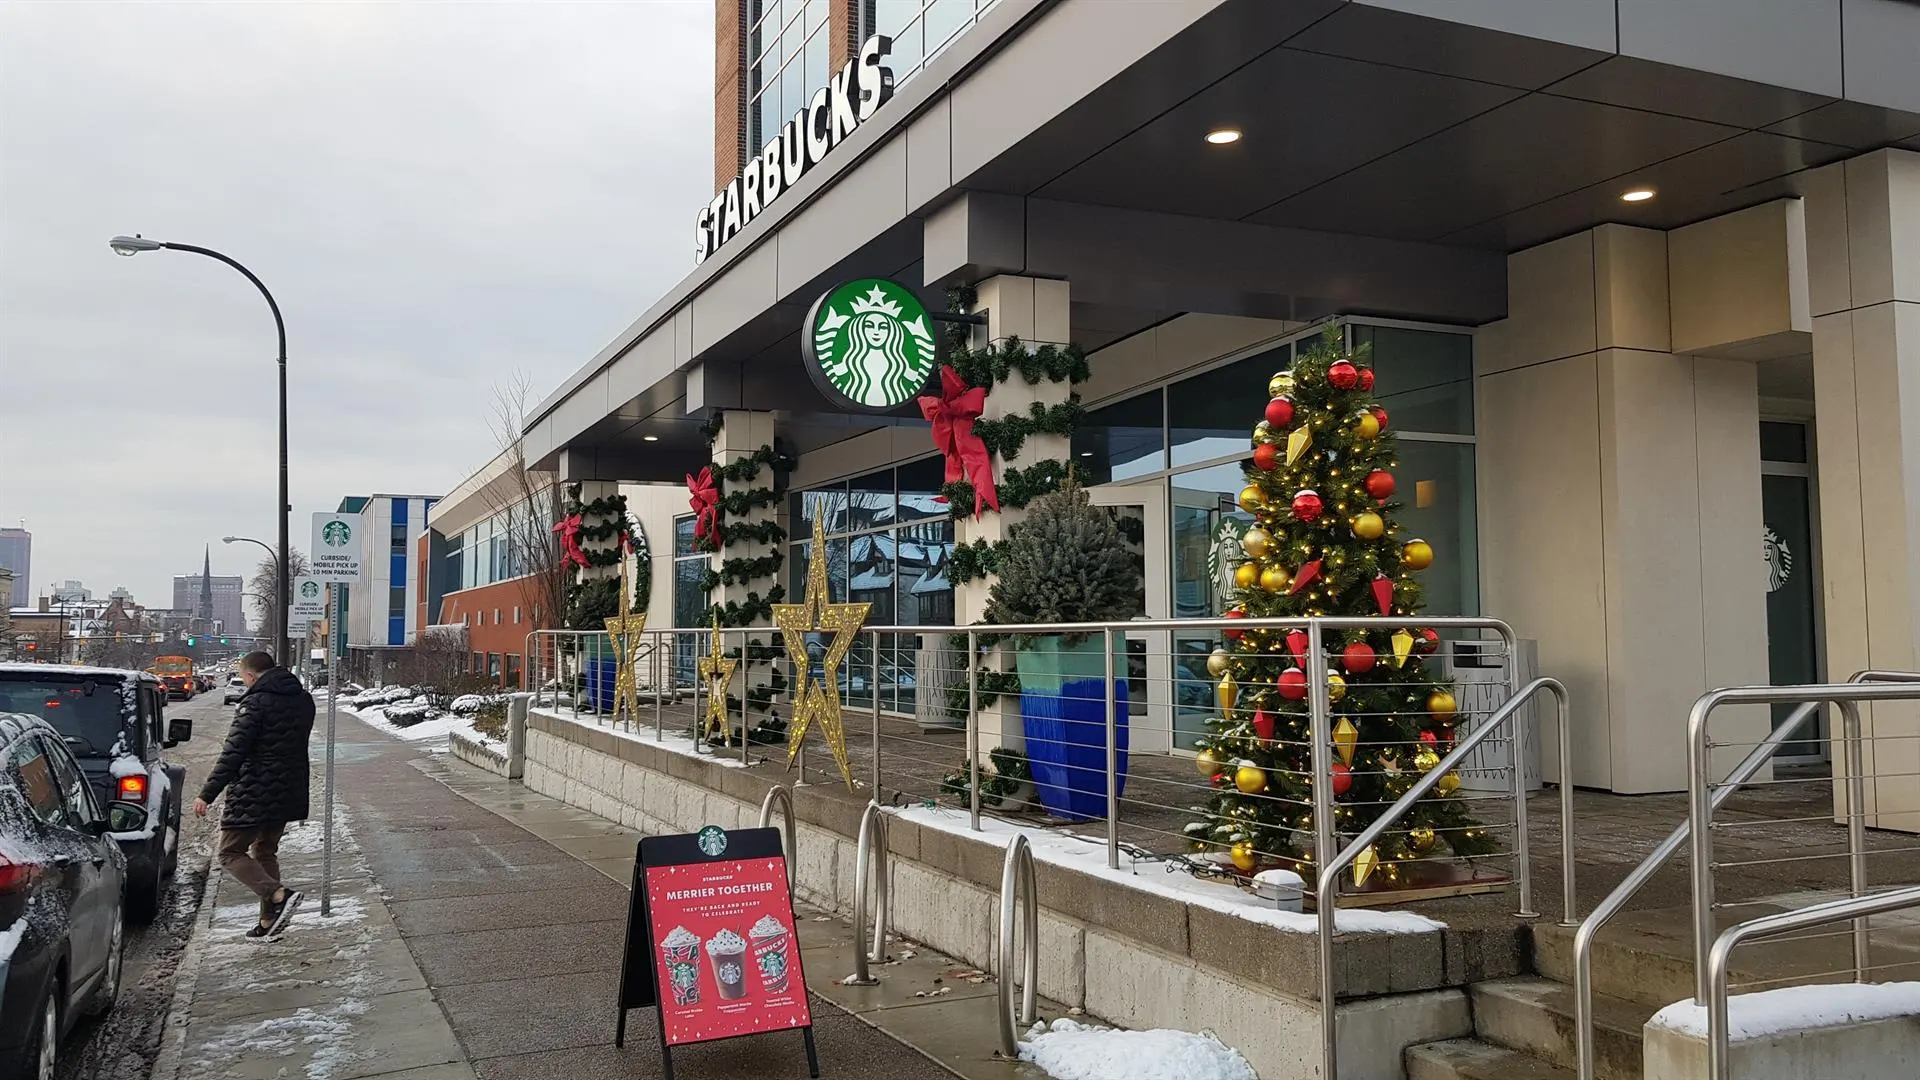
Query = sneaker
x=258 y=930
x=283 y=910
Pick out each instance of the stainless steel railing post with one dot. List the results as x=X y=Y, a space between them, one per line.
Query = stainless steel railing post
x=778 y=794
x=1016 y=884
x=1854 y=734
x=870 y=872
x=973 y=728
x=873 y=682
x=1320 y=734
x=1113 y=758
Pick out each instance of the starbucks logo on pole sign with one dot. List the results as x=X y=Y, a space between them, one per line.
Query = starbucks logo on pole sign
x=309 y=590
x=336 y=534
x=869 y=345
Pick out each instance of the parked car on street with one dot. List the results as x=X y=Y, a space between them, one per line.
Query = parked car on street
x=62 y=896
x=114 y=723
x=236 y=689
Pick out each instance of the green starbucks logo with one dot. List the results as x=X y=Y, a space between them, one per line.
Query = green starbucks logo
x=309 y=590
x=335 y=534
x=712 y=841
x=869 y=345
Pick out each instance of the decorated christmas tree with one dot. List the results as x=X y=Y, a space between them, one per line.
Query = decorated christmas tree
x=1320 y=488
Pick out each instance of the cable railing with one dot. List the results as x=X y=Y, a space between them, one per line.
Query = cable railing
x=1705 y=796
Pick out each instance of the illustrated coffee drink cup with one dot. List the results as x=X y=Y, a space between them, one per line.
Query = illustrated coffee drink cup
x=728 y=953
x=681 y=951
x=772 y=953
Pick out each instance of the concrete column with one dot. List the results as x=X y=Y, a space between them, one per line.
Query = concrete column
x=741 y=433
x=1863 y=246
x=1619 y=489
x=591 y=490
x=1036 y=311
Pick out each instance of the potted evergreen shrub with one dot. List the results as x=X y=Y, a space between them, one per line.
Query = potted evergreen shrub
x=1068 y=563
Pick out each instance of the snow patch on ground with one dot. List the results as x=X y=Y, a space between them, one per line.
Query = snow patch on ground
x=326 y=1033
x=1795 y=1008
x=1167 y=879
x=438 y=729
x=1073 y=1051
x=671 y=742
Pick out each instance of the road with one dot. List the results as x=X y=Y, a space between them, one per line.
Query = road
x=123 y=1044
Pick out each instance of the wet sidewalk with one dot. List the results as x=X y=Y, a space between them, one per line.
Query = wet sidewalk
x=477 y=933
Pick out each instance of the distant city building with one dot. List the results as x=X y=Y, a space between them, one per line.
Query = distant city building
x=227 y=606
x=121 y=593
x=16 y=555
x=70 y=592
x=383 y=607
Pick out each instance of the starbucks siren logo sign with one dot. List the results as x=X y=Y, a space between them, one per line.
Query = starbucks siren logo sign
x=869 y=345
x=309 y=590
x=336 y=534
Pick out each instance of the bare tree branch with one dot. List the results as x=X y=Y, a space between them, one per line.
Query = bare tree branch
x=529 y=503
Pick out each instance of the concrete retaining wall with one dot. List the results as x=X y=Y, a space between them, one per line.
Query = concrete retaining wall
x=474 y=752
x=1132 y=957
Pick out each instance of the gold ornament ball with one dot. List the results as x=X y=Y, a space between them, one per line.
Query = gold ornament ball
x=1217 y=662
x=1336 y=687
x=1448 y=784
x=1208 y=764
x=1256 y=542
x=1252 y=499
x=1369 y=526
x=1263 y=433
x=1250 y=779
x=1422 y=840
x=1366 y=425
x=1440 y=705
x=1416 y=555
x=1281 y=384
x=1275 y=579
x=1425 y=760
x=1246 y=575
x=1244 y=857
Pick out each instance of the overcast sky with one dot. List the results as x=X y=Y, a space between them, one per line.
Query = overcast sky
x=438 y=194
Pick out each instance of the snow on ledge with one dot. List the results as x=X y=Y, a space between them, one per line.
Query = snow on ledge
x=1074 y=1051
x=672 y=742
x=1795 y=1008
x=1166 y=879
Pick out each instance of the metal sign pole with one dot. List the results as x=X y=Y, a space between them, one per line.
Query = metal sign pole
x=334 y=595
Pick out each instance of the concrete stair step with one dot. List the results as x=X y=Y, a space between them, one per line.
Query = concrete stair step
x=1536 y=1016
x=1471 y=1059
x=1647 y=956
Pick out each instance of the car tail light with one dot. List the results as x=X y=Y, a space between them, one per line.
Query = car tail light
x=17 y=877
x=133 y=789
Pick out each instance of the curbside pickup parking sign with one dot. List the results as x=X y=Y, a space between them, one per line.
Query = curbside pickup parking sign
x=335 y=551
x=309 y=600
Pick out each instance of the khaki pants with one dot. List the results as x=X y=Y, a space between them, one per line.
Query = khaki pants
x=252 y=856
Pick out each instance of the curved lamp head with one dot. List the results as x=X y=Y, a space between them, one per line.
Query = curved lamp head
x=133 y=245
x=228 y=539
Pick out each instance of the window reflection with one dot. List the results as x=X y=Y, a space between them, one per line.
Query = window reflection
x=1212 y=414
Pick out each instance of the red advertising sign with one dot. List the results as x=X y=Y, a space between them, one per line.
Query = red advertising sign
x=728 y=961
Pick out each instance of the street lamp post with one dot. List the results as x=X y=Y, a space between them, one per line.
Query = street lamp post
x=134 y=245
x=273 y=558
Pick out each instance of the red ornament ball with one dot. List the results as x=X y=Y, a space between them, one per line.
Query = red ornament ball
x=1235 y=613
x=1366 y=379
x=1266 y=457
x=1280 y=412
x=1307 y=505
x=1293 y=684
x=1426 y=640
x=1379 y=414
x=1342 y=375
x=1342 y=777
x=1428 y=738
x=1357 y=658
x=1379 y=484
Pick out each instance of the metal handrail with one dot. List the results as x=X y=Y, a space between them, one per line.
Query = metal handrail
x=870 y=862
x=1017 y=883
x=779 y=794
x=1856 y=908
x=1328 y=875
x=1615 y=901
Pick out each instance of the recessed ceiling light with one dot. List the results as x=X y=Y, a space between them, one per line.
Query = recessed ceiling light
x=649 y=438
x=1086 y=453
x=1223 y=136
x=1639 y=194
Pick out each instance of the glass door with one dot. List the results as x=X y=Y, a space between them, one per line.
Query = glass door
x=1140 y=512
x=1786 y=510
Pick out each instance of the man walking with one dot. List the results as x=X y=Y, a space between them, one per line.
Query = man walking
x=263 y=770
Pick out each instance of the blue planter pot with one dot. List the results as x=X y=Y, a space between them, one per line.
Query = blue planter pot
x=600 y=675
x=1062 y=698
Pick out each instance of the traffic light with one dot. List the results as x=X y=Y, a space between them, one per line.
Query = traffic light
x=191 y=641
x=32 y=646
x=223 y=641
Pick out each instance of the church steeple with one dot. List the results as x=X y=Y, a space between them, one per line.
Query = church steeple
x=204 y=610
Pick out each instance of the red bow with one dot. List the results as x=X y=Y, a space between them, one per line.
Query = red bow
x=952 y=413
x=705 y=503
x=570 y=553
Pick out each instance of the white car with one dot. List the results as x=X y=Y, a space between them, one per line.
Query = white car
x=235 y=690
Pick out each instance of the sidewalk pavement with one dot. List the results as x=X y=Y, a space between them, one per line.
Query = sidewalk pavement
x=476 y=934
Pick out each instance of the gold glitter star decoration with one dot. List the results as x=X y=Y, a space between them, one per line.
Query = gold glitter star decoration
x=716 y=670
x=818 y=701
x=626 y=631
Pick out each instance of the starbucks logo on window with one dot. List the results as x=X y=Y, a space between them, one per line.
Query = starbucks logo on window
x=869 y=345
x=1224 y=553
x=1779 y=559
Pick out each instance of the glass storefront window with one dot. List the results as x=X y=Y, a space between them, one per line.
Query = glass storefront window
x=829 y=503
x=1435 y=488
x=920 y=483
x=1212 y=414
x=1425 y=377
x=1206 y=534
x=869 y=503
x=1122 y=441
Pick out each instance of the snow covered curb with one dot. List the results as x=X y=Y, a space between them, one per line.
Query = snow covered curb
x=1795 y=1008
x=1166 y=879
x=671 y=742
x=440 y=727
x=1073 y=1051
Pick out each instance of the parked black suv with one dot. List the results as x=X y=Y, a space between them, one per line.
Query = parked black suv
x=114 y=722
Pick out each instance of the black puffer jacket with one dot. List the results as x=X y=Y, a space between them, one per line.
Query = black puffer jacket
x=263 y=767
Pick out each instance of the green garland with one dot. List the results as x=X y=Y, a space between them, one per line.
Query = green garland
x=1006 y=771
x=590 y=602
x=742 y=571
x=1017 y=487
x=971 y=562
x=1006 y=435
x=734 y=614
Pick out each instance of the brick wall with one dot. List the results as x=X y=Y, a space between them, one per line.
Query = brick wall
x=498 y=618
x=729 y=89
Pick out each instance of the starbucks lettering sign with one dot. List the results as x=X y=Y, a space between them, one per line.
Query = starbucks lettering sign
x=868 y=345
